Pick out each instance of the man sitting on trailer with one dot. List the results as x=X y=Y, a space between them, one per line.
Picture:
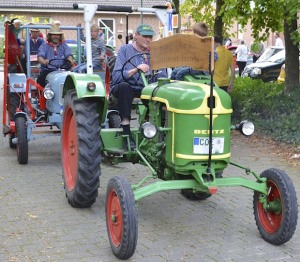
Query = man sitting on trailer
x=55 y=48
x=126 y=81
x=35 y=42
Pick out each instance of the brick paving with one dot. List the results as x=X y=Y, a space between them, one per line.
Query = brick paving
x=37 y=223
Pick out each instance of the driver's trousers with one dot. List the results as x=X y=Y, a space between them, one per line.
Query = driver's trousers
x=125 y=95
x=41 y=80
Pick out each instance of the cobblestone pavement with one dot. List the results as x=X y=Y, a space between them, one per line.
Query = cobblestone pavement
x=37 y=223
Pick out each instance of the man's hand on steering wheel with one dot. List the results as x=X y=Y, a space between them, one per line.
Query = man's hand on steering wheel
x=143 y=67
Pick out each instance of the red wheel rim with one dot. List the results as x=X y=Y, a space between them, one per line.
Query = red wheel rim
x=270 y=221
x=70 y=149
x=114 y=218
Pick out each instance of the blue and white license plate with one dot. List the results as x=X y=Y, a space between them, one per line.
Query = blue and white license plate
x=201 y=145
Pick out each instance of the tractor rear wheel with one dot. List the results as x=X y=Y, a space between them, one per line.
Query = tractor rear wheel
x=121 y=217
x=80 y=150
x=114 y=120
x=277 y=219
x=22 y=144
x=190 y=195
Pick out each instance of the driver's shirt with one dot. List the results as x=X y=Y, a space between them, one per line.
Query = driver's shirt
x=49 y=51
x=128 y=58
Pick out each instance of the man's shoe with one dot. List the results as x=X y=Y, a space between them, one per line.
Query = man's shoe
x=131 y=143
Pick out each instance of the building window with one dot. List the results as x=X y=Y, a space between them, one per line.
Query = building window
x=41 y=20
x=108 y=26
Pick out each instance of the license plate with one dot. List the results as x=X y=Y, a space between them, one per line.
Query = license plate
x=201 y=145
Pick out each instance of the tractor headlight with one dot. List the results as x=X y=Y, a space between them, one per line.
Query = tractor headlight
x=91 y=86
x=148 y=130
x=48 y=93
x=246 y=128
x=255 y=72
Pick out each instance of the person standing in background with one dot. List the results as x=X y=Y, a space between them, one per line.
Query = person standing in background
x=223 y=65
x=241 y=56
x=256 y=48
x=278 y=41
x=228 y=43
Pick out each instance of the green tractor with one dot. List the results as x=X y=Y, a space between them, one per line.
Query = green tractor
x=182 y=137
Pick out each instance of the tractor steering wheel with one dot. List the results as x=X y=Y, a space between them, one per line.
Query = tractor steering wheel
x=145 y=56
x=63 y=64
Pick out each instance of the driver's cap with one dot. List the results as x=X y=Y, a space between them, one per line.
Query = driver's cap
x=145 y=30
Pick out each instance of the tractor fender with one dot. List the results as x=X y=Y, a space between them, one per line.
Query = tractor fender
x=19 y=114
x=79 y=82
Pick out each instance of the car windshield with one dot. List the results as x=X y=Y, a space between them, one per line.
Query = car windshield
x=278 y=58
x=269 y=51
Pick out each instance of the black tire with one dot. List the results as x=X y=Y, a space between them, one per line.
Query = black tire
x=11 y=144
x=80 y=150
x=22 y=144
x=190 y=195
x=121 y=218
x=114 y=120
x=14 y=102
x=276 y=226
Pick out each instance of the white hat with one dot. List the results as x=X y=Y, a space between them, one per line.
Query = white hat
x=17 y=21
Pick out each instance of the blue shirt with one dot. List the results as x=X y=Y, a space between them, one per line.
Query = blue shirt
x=124 y=54
x=34 y=46
x=46 y=51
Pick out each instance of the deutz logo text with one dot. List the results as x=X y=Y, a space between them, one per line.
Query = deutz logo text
x=206 y=132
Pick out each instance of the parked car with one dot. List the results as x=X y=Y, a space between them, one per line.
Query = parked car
x=268 y=52
x=281 y=77
x=267 y=70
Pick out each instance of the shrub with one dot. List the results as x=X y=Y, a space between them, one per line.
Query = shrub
x=272 y=112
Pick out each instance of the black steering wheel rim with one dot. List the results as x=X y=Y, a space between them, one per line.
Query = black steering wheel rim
x=129 y=61
x=54 y=67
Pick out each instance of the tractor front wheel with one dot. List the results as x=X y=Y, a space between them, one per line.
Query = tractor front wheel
x=22 y=144
x=80 y=150
x=121 y=218
x=276 y=213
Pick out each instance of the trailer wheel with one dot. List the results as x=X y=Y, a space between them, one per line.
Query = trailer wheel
x=190 y=195
x=277 y=220
x=121 y=218
x=22 y=144
x=80 y=150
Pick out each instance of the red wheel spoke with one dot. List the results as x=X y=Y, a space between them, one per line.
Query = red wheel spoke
x=270 y=221
x=115 y=218
x=70 y=153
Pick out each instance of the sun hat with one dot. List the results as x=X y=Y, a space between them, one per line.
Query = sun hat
x=55 y=30
x=34 y=30
x=145 y=30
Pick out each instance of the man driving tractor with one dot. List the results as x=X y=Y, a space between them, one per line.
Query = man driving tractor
x=55 y=48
